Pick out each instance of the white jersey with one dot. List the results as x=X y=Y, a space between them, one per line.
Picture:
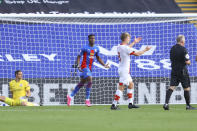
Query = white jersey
x=124 y=52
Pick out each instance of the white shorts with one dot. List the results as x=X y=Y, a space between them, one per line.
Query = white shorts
x=125 y=77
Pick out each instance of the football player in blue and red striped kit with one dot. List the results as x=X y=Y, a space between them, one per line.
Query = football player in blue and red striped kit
x=88 y=52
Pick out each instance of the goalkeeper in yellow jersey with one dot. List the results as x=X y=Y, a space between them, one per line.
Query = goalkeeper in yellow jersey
x=20 y=90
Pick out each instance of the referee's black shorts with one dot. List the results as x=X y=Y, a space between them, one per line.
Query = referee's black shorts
x=181 y=76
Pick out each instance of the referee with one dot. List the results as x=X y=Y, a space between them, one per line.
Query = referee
x=179 y=60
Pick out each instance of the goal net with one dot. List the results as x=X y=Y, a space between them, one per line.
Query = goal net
x=45 y=47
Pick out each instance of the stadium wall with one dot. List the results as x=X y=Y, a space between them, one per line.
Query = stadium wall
x=146 y=91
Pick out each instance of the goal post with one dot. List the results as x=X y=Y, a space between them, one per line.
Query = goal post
x=45 y=47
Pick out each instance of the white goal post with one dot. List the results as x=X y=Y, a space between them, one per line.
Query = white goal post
x=45 y=46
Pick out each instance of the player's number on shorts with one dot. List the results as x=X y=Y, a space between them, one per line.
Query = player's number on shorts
x=146 y=64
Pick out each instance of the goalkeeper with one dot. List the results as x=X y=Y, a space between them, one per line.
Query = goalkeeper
x=20 y=90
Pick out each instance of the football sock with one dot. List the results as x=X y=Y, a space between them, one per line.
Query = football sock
x=130 y=95
x=88 y=89
x=187 y=97
x=168 y=95
x=117 y=96
x=76 y=89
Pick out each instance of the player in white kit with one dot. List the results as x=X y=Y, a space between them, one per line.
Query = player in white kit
x=124 y=51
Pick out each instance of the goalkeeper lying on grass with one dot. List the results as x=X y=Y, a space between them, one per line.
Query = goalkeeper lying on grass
x=20 y=90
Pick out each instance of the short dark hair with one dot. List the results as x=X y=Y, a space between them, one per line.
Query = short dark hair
x=17 y=71
x=90 y=35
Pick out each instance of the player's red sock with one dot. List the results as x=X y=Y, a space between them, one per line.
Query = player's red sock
x=117 y=96
x=130 y=95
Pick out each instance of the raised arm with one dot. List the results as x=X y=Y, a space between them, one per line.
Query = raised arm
x=139 y=53
x=136 y=40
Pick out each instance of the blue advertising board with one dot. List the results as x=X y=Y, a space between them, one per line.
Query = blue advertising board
x=50 y=50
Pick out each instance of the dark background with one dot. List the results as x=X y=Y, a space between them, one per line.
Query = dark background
x=90 y=6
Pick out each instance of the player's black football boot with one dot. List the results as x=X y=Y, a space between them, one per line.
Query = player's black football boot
x=166 y=107
x=190 y=108
x=130 y=106
x=113 y=107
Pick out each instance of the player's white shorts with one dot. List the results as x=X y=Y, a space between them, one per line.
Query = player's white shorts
x=125 y=77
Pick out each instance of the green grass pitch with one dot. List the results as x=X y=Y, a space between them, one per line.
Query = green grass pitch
x=97 y=118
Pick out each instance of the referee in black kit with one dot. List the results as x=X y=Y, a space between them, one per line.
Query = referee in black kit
x=179 y=60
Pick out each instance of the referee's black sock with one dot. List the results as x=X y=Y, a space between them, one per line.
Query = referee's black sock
x=168 y=95
x=187 y=97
